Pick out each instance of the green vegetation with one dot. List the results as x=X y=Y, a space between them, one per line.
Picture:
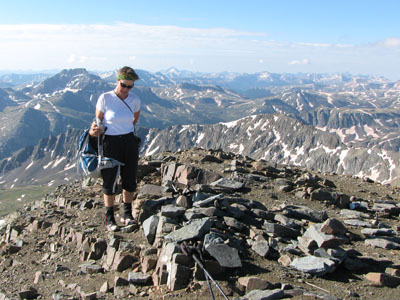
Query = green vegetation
x=15 y=198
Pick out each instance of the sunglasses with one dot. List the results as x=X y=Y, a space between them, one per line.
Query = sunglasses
x=126 y=86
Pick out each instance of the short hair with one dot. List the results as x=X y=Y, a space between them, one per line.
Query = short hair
x=128 y=73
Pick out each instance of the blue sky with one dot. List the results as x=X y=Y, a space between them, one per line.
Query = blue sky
x=359 y=36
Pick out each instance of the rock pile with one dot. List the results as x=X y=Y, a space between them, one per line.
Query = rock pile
x=247 y=221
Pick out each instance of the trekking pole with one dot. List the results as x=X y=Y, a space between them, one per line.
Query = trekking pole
x=188 y=251
x=205 y=275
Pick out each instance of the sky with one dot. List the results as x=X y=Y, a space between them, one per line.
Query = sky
x=279 y=36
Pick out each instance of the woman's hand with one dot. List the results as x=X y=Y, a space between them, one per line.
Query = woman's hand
x=95 y=130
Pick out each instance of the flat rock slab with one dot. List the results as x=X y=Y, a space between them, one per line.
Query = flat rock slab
x=382 y=243
x=280 y=230
x=358 y=223
x=138 y=278
x=196 y=228
x=226 y=256
x=227 y=184
x=302 y=212
x=379 y=231
x=264 y=295
x=317 y=266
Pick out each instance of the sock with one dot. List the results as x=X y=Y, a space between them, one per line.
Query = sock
x=128 y=208
x=110 y=211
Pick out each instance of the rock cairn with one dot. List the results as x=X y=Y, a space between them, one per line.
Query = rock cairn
x=211 y=209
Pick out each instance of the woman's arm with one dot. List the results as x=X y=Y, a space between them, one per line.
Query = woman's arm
x=136 y=116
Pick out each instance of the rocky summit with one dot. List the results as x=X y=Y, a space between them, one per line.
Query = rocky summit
x=209 y=224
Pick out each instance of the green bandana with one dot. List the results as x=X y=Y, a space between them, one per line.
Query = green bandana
x=125 y=77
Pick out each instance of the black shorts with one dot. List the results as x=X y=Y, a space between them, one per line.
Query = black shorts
x=125 y=149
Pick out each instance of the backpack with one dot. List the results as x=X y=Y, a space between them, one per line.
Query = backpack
x=90 y=159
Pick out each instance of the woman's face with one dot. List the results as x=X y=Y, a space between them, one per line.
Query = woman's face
x=123 y=87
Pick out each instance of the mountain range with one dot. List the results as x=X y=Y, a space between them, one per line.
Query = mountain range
x=341 y=123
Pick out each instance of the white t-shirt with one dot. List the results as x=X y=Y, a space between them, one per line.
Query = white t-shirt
x=117 y=117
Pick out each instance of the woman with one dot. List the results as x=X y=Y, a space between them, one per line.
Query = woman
x=119 y=111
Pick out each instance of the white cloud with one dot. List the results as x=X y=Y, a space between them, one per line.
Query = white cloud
x=83 y=59
x=304 y=61
x=42 y=45
x=109 y=46
x=391 y=42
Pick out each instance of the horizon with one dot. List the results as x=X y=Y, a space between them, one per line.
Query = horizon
x=359 y=37
x=54 y=72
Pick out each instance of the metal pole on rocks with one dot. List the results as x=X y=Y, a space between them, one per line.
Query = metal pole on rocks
x=187 y=250
x=206 y=276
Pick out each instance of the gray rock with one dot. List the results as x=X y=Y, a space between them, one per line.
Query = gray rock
x=236 y=210
x=226 y=256
x=120 y=281
x=184 y=201
x=88 y=296
x=122 y=261
x=172 y=211
x=358 y=223
x=94 y=269
x=167 y=252
x=317 y=266
x=303 y=212
x=352 y=214
x=324 y=195
x=31 y=293
x=380 y=231
x=139 y=278
x=207 y=201
x=280 y=230
x=293 y=223
x=338 y=255
x=266 y=215
x=152 y=206
x=382 y=243
x=324 y=240
x=264 y=295
x=199 y=196
x=391 y=209
x=153 y=190
x=235 y=224
x=178 y=276
x=98 y=249
x=196 y=228
x=261 y=248
x=253 y=283
x=201 y=212
x=307 y=244
x=165 y=225
x=227 y=185
x=333 y=226
x=168 y=174
x=150 y=228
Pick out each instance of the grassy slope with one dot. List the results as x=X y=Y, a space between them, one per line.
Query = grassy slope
x=12 y=199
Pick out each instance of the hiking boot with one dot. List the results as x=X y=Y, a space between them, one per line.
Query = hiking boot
x=111 y=225
x=127 y=219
